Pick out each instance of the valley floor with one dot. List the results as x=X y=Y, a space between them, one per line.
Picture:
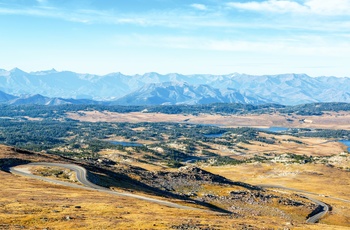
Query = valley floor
x=331 y=120
x=215 y=166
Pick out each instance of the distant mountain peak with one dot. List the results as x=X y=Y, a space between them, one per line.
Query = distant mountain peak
x=17 y=71
x=44 y=72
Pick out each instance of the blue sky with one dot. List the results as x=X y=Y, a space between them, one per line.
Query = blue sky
x=184 y=36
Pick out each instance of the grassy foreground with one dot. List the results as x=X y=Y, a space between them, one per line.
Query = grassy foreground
x=27 y=203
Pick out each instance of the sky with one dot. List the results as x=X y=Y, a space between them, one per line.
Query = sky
x=184 y=36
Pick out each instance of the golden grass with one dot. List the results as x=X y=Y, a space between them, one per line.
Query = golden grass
x=320 y=179
x=283 y=144
x=327 y=121
x=32 y=204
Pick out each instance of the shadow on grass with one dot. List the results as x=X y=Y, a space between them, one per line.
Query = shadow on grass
x=107 y=178
x=100 y=176
x=7 y=163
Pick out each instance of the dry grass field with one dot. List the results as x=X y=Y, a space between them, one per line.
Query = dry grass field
x=327 y=121
x=31 y=204
x=309 y=147
x=296 y=145
x=329 y=182
x=27 y=203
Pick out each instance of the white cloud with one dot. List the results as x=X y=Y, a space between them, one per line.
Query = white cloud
x=176 y=18
x=320 y=7
x=199 y=6
x=300 y=46
x=329 y=7
x=280 y=6
x=211 y=20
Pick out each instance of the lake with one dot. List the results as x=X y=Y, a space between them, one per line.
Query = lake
x=214 y=135
x=126 y=144
x=347 y=143
x=274 y=129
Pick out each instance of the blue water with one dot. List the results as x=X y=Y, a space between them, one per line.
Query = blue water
x=214 y=135
x=276 y=129
x=126 y=144
x=347 y=143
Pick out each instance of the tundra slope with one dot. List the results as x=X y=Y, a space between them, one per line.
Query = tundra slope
x=82 y=176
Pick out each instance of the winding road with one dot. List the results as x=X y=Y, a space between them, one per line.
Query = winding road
x=82 y=177
x=313 y=219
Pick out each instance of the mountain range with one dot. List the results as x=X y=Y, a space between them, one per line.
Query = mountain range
x=65 y=87
x=41 y=100
x=170 y=93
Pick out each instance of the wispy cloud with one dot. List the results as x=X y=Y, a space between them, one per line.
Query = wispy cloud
x=269 y=6
x=307 y=45
x=324 y=7
x=214 y=18
x=199 y=6
x=172 y=18
x=82 y=16
x=330 y=7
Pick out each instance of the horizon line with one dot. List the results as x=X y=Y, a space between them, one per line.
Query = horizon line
x=168 y=73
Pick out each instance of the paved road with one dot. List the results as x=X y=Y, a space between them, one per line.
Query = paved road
x=82 y=177
x=313 y=219
x=302 y=191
